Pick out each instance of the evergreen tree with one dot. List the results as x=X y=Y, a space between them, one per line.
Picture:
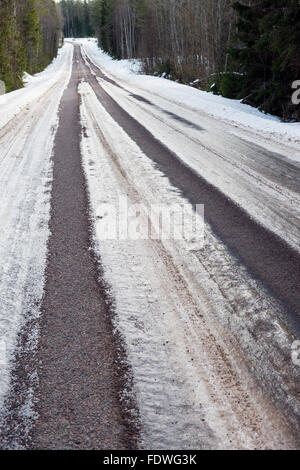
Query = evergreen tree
x=267 y=54
x=12 y=54
x=77 y=15
x=30 y=31
x=87 y=29
x=29 y=38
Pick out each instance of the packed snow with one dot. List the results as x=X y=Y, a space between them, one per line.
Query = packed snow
x=28 y=125
x=35 y=86
x=229 y=111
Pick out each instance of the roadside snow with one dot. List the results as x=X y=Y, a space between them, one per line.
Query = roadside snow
x=230 y=111
x=27 y=77
x=35 y=86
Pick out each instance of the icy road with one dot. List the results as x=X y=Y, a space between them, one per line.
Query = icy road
x=153 y=343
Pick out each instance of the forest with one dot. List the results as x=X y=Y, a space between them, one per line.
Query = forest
x=247 y=50
x=30 y=32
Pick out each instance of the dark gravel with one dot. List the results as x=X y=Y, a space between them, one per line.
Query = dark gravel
x=79 y=380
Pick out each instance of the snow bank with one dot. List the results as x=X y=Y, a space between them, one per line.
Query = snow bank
x=12 y=103
x=227 y=110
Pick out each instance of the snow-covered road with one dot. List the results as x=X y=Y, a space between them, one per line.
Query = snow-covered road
x=207 y=325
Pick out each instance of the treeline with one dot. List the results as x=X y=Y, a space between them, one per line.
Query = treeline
x=30 y=31
x=247 y=50
x=265 y=56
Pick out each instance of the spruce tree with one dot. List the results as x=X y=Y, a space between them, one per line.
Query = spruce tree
x=30 y=29
x=267 y=55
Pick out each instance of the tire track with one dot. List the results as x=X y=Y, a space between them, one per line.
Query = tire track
x=79 y=403
x=268 y=258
